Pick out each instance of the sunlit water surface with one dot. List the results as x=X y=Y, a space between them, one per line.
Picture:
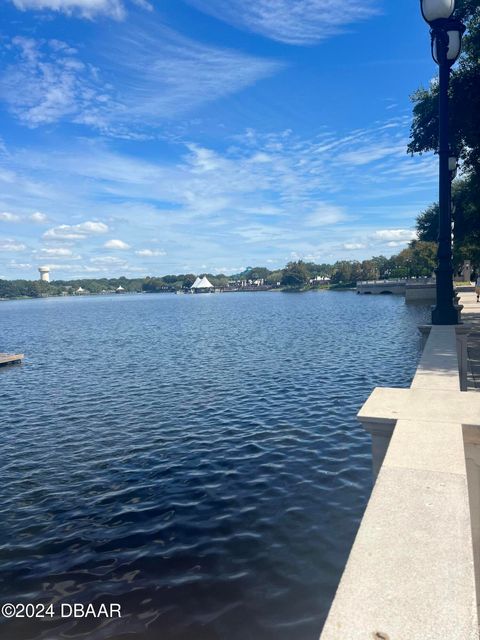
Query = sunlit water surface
x=194 y=458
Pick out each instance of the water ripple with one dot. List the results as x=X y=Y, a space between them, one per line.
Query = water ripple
x=194 y=458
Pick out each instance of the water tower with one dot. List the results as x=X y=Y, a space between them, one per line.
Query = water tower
x=44 y=274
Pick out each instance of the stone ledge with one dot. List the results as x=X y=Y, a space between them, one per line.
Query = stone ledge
x=411 y=571
x=427 y=446
x=410 y=574
x=423 y=405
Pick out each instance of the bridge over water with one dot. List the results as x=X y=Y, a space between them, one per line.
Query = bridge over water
x=412 y=288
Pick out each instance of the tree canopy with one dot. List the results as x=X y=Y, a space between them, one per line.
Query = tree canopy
x=464 y=99
x=295 y=275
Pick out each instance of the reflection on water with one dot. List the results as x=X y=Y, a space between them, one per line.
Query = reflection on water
x=194 y=458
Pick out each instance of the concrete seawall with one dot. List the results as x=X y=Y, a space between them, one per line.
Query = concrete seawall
x=413 y=571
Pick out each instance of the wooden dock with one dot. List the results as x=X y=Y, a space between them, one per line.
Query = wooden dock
x=10 y=358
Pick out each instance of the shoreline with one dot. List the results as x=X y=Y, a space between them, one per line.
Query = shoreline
x=136 y=293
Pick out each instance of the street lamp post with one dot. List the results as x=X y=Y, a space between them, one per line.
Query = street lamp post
x=446 y=33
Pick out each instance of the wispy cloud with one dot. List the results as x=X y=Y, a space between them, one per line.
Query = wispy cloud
x=395 y=235
x=59 y=252
x=6 y=216
x=144 y=74
x=150 y=253
x=116 y=244
x=11 y=246
x=326 y=214
x=380 y=240
x=84 y=8
x=297 y=22
x=47 y=82
x=353 y=246
x=259 y=196
x=76 y=232
x=38 y=217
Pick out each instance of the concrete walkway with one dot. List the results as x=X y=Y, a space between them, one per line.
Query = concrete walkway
x=471 y=316
x=411 y=571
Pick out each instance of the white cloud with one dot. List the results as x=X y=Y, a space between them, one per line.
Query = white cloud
x=199 y=200
x=375 y=239
x=38 y=217
x=326 y=214
x=92 y=227
x=142 y=75
x=75 y=232
x=59 y=253
x=42 y=86
x=395 y=235
x=149 y=253
x=107 y=260
x=6 y=216
x=116 y=244
x=84 y=8
x=11 y=245
x=371 y=154
x=299 y=22
x=396 y=243
x=353 y=246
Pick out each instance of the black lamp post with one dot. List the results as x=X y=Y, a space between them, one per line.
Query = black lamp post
x=446 y=33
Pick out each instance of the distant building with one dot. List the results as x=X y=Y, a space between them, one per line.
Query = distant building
x=120 y=289
x=202 y=285
x=44 y=274
x=80 y=291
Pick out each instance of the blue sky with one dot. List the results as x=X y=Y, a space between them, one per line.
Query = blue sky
x=144 y=138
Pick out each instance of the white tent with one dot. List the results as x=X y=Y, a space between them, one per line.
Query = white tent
x=202 y=283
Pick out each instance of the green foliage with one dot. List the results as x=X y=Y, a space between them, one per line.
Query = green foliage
x=416 y=261
x=295 y=275
x=464 y=100
x=255 y=273
x=100 y=285
x=27 y=289
x=155 y=285
x=427 y=224
x=466 y=220
x=274 y=277
x=188 y=280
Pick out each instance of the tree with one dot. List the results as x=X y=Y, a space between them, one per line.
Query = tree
x=464 y=99
x=369 y=270
x=257 y=273
x=295 y=275
x=427 y=224
x=274 y=277
x=382 y=265
x=466 y=220
x=417 y=260
x=188 y=280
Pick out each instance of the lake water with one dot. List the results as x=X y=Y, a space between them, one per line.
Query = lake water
x=194 y=458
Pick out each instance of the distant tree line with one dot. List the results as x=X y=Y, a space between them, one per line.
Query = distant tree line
x=417 y=260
